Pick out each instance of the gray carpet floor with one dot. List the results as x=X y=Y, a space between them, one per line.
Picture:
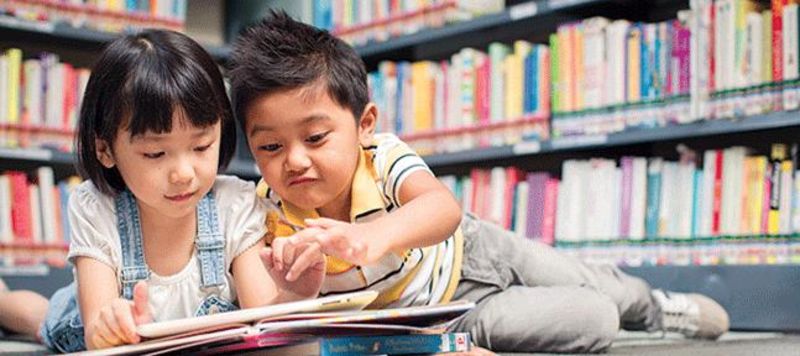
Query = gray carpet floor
x=627 y=343
x=732 y=343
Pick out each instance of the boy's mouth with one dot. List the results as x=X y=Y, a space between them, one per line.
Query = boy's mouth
x=300 y=180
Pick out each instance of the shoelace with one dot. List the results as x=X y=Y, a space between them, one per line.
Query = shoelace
x=678 y=312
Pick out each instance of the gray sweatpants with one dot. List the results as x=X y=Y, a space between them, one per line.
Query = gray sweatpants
x=530 y=297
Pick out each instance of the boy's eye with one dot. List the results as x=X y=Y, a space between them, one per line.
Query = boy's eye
x=318 y=137
x=153 y=155
x=272 y=147
x=202 y=148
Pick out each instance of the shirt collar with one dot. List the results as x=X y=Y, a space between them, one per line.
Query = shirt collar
x=364 y=194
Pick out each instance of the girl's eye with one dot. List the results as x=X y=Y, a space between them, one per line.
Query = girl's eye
x=202 y=148
x=153 y=155
x=270 y=147
x=318 y=137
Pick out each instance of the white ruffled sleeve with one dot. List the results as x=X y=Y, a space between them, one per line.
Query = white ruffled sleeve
x=93 y=231
x=242 y=213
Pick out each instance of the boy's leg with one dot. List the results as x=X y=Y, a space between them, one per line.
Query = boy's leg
x=550 y=319
x=21 y=311
x=490 y=249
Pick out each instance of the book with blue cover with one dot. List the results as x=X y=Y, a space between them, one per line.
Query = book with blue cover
x=290 y=325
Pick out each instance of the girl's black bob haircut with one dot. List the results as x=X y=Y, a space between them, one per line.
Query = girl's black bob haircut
x=137 y=84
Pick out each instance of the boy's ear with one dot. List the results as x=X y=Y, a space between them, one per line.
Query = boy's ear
x=366 y=125
x=103 y=151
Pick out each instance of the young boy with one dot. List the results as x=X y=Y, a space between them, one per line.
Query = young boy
x=386 y=223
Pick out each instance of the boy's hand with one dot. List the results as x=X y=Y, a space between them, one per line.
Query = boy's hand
x=116 y=322
x=295 y=267
x=354 y=243
x=476 y=351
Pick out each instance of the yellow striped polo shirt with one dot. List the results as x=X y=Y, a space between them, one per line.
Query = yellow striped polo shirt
x=419 y=276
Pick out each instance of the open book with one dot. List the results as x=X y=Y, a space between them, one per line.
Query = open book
x=263 y=327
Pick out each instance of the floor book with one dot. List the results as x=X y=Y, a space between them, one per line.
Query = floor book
x=399 y=344
x=288 y=324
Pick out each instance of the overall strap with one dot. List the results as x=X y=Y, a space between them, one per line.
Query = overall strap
x=210 y=243
x=134 y=267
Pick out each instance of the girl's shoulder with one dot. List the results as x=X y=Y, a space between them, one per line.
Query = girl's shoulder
x=232 y=188
x=234 y=194
x=241 y=212
x=91 y=200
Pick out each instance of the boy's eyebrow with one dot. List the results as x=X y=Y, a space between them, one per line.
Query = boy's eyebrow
x=311 y=118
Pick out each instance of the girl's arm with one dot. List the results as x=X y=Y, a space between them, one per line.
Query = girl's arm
x=108 y=319
x=256 y=286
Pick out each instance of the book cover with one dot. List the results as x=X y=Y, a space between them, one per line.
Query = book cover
x=376 y=345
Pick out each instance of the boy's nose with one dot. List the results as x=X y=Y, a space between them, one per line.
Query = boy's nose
x=297 y=160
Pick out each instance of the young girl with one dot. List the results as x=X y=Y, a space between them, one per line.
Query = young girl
x=155 y=127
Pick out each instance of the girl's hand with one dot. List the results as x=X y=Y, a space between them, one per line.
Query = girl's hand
x=298 y=268
x=354 y=243
x=116 y=322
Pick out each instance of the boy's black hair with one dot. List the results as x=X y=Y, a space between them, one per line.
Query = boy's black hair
x=137 y=84
x=280 y=53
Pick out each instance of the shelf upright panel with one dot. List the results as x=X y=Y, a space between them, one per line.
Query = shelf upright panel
x=756 y=297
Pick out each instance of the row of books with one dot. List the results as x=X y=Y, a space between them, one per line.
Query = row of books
x=598 y=62
x=748 y=250
x=732 y=57
x=33 y=210
x=720 y=59
x=39 y=100
x=366 y=21
x=102 y=15
x=488 y=90
x=731 y=192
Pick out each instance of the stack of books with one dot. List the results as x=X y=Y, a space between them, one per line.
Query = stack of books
x=333 y=325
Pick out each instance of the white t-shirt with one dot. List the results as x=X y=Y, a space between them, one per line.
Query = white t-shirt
x=93 y=224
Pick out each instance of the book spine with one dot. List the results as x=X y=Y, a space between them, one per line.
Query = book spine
x=717 y=196
x=550 y=207
x=396 y=344
x=777 y=39
x=536 y=202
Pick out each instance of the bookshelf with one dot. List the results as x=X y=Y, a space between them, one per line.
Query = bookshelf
x=732 y=282
x=523 y=13
x=58 y=37
x=758 y=295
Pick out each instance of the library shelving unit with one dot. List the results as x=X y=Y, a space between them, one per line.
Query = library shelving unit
x=759 y=296
x=80 y=48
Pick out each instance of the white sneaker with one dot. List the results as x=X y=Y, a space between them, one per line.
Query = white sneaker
x=693 y=315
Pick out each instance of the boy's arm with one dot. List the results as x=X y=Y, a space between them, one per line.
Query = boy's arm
x=428 y=215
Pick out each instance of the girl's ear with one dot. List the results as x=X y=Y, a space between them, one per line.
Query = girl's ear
x=366 y=125
x=103 y=151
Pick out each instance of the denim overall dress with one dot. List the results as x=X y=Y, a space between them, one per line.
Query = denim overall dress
x=63 y=329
